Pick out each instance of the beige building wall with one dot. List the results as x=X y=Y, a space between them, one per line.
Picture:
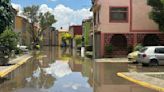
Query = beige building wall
x=21 y=27
x=105 y=24
x=140 y=17
x=141 y=20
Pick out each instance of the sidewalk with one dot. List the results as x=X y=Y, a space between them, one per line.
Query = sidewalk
x=113 y=60
x=15 y=63
x=148 y=79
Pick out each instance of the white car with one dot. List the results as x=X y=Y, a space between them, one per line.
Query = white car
x=23 y=48
x=151 y=55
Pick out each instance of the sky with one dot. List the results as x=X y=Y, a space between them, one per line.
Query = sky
x=66 y=12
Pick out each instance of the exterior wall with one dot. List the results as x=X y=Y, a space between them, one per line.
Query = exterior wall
x=140 y=17
x=131 y=37
x=105 y=25
x=50 y=38
x=138 y=25
x=21 y=27
x=75 y=30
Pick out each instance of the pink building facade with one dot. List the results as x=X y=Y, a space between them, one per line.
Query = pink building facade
x=123 y=24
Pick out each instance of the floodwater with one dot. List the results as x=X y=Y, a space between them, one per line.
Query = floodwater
x=63 y=70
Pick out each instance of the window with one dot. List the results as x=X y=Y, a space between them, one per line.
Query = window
x=159 y=50
x=143 y=50
x=118 y=14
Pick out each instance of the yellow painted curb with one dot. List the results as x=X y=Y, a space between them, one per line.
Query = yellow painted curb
x=13 y=67
x=145 y=84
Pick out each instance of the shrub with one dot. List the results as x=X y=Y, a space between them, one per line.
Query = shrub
x=9 y=39
x=78 y=39
x=109 y=48
x=138 y=47
x=18 y=51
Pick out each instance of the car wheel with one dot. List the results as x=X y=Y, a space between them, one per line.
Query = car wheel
x=154 y=62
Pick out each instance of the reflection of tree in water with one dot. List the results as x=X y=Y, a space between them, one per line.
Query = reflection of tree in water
x=66 y=54
x=39 y=78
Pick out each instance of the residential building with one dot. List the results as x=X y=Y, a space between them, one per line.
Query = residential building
x=60 y=34
x=21 y=26
x=122 y=25
x=50 y=37
x=75 y=30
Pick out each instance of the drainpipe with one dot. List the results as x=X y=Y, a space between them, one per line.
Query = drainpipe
x=93 y=38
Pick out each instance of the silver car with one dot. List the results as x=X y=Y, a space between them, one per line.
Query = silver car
x=151 y=55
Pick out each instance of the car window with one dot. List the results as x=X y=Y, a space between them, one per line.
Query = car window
x=159 y=50
x=143 y=50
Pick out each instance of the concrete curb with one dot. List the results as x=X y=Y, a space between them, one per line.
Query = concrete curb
x=145 y=84
x=8 y=70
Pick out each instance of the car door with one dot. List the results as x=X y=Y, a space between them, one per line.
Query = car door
x=159 y=53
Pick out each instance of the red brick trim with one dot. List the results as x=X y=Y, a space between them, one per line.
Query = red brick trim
x=102 y=44
x=144 y=30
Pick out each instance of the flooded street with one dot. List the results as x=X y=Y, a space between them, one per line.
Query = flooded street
x=63 y=70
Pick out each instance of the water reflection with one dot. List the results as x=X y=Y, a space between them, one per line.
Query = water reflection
x=63 y=70
x=73 y=82
x=58 y=69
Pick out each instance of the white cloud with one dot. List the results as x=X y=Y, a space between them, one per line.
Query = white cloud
x=65 y=16
x=44 y=8
x=16 y=6
x=19 y=9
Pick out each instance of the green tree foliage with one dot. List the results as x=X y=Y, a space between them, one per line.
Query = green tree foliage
x=157 y=13
x=45 y=21
x=66 y=36
x=78 y=39
x=9 y=39
x=6 y=14
x=31 y=13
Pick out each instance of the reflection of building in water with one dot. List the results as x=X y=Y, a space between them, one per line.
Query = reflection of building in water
x=87 y=70
x=83 y=66
x=76 y=64
x=106 y=79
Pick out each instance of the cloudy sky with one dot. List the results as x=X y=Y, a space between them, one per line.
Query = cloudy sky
x=67 y=12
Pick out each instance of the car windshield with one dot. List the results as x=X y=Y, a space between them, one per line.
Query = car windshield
x=143 y=50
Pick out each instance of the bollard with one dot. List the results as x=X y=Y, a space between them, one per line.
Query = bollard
x=82 y=51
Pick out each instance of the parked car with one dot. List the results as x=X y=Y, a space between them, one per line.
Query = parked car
x=4 y=55
x=151 y=55
x=132 y=57
x=23 y=48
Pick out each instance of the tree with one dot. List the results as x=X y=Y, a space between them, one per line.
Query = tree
x=9 y=39
x=6 y=14
x=45 y=21
x=31 y=14
x=157 y=13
